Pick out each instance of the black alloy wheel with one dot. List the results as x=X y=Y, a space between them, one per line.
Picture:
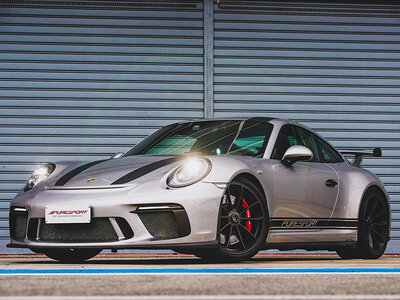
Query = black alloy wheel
x=71 y=255
x=373 y=228
x=242 y=224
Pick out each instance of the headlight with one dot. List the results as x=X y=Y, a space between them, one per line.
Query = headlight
x=39 y=175
x=191 y=171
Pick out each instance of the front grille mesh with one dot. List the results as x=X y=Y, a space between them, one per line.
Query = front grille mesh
x=99 y=230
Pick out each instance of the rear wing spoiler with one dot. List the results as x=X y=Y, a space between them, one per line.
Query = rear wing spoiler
x=358 y=155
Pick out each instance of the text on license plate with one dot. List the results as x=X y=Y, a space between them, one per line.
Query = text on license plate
x=67 y=214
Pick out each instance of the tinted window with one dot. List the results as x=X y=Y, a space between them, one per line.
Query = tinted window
x=208 y=137
x=286 y=138
x=295 y=135
x=322 y=151
x=307 y=139
x=327 y=153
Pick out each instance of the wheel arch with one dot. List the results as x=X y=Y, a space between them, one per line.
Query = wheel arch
x=257 y=183
x=376 y=188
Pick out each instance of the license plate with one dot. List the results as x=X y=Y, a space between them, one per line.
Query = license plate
x=58 y=214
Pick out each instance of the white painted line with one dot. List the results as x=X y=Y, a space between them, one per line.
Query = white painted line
x=197 y=274
x=191 y=274
x=205 y=271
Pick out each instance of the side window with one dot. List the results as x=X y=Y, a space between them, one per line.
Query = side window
x=307 y=139
x=327 y=153
x=286 y=138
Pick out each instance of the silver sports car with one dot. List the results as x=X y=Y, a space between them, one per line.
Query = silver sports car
x=220 y=189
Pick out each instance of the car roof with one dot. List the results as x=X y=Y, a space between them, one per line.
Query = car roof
x=265 y=119
x=275 y=121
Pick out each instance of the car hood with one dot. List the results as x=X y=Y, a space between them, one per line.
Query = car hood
x=125 y=170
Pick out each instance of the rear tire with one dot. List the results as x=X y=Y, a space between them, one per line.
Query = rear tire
x=242 y=224
x=71 y=255
x=373 y=228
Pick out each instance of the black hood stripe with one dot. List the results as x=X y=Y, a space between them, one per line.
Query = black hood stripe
x=145 y=170
x=71 y=174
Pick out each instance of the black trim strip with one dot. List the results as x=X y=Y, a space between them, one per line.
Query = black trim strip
x=290 y=218
x=310 y=228
x=146 y=169
x=71 y=174
x=259 y=119
x=153 y=245
x=309 y=223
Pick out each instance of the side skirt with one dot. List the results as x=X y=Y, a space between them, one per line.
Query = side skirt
x=330 y=246
x=311 y=233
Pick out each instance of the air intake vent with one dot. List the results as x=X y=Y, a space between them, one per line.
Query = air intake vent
x=125 y=228
x=18 y=224
x=164 y=224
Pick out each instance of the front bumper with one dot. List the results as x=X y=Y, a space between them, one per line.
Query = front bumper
x=199 y=202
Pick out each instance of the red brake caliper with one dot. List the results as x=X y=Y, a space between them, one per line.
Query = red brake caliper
x=248 y=214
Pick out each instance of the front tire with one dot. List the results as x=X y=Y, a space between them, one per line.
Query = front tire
x=71 y=255
x=242 y=224
x=373 y=228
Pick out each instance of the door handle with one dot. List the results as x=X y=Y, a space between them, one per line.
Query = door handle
x=331 y=183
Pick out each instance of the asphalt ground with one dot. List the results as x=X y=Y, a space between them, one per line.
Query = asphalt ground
x=170 y=276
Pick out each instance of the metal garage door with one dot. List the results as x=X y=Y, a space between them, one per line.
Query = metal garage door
x=85 y=79
x=334 y=67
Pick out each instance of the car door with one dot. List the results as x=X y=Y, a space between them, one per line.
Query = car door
x=305 y=190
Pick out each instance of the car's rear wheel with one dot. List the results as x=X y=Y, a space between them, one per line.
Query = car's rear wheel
x=71 y=255
x=373 y=228
x=242 y=224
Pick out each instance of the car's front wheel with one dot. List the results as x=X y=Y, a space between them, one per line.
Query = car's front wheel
x=373 y=228
x=242 y=224
x=71 y=255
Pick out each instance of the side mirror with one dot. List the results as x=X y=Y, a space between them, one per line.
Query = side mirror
x=296 y=153
x=117 y=155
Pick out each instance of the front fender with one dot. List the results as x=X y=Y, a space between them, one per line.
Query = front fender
x=225 y=169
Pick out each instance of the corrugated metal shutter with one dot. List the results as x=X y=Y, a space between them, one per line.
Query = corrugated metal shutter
x=334 y=67
x=85 y=79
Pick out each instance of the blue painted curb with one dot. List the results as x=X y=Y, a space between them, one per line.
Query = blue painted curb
x=199 y=271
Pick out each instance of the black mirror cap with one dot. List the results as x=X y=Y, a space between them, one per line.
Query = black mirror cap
x=290 y=162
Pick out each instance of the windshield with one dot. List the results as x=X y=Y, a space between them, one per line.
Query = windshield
x=248 y=138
